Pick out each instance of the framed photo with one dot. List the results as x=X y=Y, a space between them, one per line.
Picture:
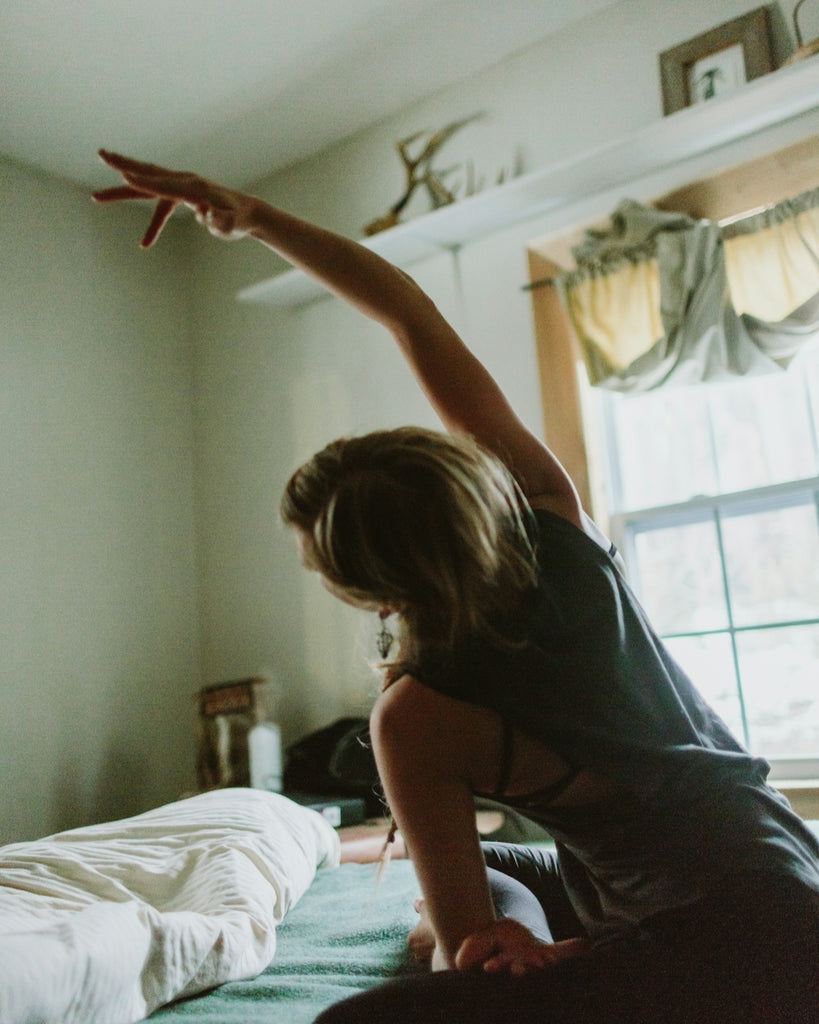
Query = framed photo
x=718 y=62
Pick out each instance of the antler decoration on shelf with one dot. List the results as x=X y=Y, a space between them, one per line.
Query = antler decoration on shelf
x=420 y=173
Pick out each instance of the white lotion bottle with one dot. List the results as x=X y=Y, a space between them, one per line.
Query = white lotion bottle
x=264 y=742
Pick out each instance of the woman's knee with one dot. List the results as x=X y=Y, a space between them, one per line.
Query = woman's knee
x=537 y=869
x=512 y=899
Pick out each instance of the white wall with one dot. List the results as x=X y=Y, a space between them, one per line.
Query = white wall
x=273 y=386
x=98 y=631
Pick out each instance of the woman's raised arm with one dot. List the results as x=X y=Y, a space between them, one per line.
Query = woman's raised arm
x=458 y=386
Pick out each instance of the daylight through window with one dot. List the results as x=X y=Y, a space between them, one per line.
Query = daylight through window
x=713 y=491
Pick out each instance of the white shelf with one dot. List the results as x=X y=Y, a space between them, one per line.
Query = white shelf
x=692 y=132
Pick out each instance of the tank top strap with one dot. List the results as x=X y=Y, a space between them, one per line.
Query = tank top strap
x=507 y=741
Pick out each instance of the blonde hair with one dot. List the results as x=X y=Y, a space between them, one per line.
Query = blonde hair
x=430 y=524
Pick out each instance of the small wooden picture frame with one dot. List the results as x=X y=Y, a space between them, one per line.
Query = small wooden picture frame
x=717 y=62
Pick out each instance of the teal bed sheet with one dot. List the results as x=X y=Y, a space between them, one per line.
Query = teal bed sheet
x=346 y=934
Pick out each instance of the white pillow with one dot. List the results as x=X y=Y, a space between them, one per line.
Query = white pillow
x=109 y=922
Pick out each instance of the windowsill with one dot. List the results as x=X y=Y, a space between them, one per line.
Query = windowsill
x=803 y=795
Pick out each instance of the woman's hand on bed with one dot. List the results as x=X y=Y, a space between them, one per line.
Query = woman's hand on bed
x=506 y=945
x=421 y=940
x=225 y=213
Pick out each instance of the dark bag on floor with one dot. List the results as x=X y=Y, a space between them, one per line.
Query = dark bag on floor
x=336 y=761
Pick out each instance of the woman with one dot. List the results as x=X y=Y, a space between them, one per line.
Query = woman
x=684 y=888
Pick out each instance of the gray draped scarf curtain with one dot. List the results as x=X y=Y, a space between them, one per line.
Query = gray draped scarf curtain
x=661 y=299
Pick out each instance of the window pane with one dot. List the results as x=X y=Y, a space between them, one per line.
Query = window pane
x=663 y=447
x=781 y=690
x=808 y=361
x=679 y=578
x=763 y=431
x=772 y=562
x=709 y=662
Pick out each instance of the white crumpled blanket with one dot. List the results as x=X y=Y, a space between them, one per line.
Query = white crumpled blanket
x=104 y=924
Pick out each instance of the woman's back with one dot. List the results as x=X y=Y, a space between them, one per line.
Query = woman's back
x=682 y=803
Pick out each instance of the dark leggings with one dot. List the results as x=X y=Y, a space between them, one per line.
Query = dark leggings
x=748 y=954
x=526 y=885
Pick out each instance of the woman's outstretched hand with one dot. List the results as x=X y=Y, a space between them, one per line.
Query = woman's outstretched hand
x=223 y=212
x=506 y=945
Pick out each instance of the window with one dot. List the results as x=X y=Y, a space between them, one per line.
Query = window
x=713 y=493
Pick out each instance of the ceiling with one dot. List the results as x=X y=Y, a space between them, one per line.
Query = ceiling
x=236 y=88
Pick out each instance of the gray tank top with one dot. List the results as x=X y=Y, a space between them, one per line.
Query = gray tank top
x=592 y=681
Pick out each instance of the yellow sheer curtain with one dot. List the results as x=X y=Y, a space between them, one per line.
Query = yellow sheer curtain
x=772 y=258
x=660 y=298
x=616 y=315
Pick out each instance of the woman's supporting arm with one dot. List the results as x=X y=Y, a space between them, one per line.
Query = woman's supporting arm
x=420 y=743
x=433 y=752
x=461 y=391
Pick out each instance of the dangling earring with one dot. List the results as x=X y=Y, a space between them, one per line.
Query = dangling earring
x=383 y=638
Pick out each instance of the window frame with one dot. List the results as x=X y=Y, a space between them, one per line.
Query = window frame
x=625 y=525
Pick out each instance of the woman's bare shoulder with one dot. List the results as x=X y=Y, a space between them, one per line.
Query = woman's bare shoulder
x=410 y=701
x=412 y=719
x=564 y=504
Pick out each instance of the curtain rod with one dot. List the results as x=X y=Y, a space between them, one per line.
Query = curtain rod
x=540 y=283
